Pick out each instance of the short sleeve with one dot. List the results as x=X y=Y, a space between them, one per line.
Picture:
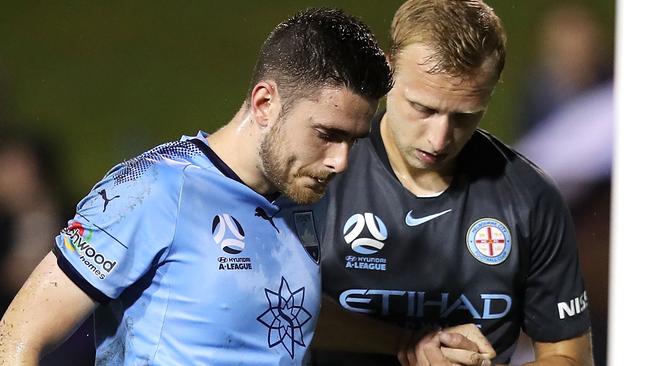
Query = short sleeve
x=122 y=229
x=556 y=306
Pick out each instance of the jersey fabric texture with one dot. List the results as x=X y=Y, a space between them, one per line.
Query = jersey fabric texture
x=497 y=248
x=192 y=266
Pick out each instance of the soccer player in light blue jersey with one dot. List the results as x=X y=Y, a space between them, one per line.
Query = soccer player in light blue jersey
x=183 y=253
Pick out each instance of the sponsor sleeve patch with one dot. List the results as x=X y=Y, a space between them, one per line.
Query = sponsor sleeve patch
x=119 y=232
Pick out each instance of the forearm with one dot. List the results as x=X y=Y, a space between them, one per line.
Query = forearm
x=345 y=331
x=558 y=361
x=14 y=351
x=572 y=352
x=20 y=342
x=341 y=330
x=45 y=312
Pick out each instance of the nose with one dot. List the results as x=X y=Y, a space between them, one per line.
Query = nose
x=439 y=132
x=337 y=157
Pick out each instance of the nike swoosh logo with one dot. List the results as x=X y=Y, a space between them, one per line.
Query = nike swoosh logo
x=413 y=221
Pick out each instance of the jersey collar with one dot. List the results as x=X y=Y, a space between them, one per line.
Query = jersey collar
x=378 y=143
x=200 y=140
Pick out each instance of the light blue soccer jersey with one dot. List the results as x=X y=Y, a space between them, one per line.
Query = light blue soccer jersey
x=193 y=267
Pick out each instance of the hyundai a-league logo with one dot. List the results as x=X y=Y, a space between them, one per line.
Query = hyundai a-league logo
x=285 y=317
x=228 y=233
x=353 y=229
x=489 y=241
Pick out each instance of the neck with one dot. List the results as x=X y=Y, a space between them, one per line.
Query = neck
x=420 y=182
x=237 y=145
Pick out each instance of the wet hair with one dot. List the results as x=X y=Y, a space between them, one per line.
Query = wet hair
x=462 y=34
x=319 y=48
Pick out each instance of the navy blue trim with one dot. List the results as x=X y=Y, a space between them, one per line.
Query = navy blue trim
x=272 y=196
x=78 y=279
x=216 y=160
x=105 y=232
x=225 y=169
x=378 y=143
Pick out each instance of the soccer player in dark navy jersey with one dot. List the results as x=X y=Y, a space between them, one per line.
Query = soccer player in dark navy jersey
x=437 y=223
x=182 y=253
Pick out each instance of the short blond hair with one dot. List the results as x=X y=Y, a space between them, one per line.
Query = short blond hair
x=462 y=34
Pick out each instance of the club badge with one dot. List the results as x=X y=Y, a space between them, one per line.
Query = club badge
x=306 y=231
x=489 y=241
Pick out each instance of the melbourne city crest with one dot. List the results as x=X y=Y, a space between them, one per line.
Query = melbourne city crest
x=489 y=241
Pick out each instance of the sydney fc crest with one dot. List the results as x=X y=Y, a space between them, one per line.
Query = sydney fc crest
x=489 y=241
x=306 y=231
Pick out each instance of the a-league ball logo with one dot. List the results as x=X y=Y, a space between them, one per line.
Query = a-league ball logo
x=228 y=233
x=365 y=245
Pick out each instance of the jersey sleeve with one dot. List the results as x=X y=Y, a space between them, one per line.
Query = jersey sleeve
x=556 y=306
x=122 y=229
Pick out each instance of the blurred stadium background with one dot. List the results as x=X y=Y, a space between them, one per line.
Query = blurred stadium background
x=99 y=82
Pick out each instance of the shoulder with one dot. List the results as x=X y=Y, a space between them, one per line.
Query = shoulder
x=366 y=155
x=169 y=158
x=486 y=158
x=150 y=181
x=362 y=151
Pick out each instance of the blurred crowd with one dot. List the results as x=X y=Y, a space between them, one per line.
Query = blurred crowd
x=567 y=122
x=32 y=202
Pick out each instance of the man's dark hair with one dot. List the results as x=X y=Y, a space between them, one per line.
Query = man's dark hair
x=322 y=48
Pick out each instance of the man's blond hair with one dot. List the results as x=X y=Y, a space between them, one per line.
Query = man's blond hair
x=462 y=34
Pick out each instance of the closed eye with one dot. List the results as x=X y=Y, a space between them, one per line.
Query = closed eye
x=335 y=135
x=327 y=136
x=466 y=118
x=422 y=109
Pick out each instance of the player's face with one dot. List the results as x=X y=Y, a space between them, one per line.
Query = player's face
x=430 y=117
x=309 y=144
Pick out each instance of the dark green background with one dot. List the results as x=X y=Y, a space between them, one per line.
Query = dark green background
x=103 y=81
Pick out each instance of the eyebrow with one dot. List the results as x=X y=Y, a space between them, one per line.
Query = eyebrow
x=413 y=99
x=420 y=104
x=443 y=110
x=337 y=132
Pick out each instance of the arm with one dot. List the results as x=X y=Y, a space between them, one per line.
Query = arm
x=570 y=352
x=47 y=309
x=345 y=331
x=556 y=308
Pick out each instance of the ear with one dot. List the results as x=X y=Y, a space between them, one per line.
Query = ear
x=265 y=103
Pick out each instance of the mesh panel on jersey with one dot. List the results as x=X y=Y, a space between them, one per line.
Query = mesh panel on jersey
x=132 y=169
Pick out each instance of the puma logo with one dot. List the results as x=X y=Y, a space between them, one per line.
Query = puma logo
x=102 y=193
x=259 y=212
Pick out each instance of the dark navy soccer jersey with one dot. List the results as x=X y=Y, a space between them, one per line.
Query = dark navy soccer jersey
x=193 y=266
x=497 y=248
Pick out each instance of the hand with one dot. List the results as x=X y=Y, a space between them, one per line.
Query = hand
x=462 y=342
x=459 y=345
